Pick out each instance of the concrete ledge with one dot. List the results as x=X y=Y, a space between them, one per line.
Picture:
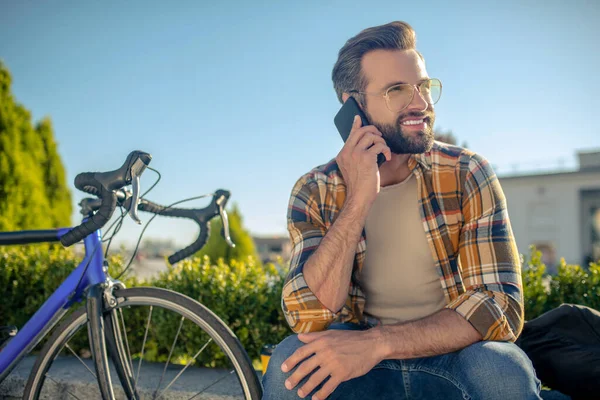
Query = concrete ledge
x=69 y=376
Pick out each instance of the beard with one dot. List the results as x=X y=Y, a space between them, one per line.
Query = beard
x=408 y=142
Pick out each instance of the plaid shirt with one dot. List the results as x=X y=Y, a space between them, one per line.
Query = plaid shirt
x=466 y=222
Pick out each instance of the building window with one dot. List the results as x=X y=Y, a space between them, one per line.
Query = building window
x=548 y=251
x=595 y=234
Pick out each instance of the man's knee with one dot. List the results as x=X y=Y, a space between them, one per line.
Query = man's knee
x=498 y=370
x=274 y=378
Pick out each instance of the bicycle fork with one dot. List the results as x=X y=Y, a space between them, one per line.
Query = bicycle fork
x=106 y=340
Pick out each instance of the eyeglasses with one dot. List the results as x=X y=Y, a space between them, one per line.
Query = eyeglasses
x=398 y=97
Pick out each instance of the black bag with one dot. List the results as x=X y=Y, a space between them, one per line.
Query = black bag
x=564 y=347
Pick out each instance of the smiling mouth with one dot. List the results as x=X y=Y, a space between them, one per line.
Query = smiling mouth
x=415 y=122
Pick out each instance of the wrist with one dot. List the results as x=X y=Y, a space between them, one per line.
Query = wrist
x=357 y=208
x=381 y=344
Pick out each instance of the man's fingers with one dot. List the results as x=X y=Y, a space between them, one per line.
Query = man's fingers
x=381 y=148
x=327 y=389
x=358 y=133
x=311 y=337
x=306 y=367
x=299 y=355
x=315 y=380
x=355 y=131
x=368 y=140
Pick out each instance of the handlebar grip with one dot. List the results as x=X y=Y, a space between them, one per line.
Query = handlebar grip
x=194 y=247
x=103 y=185
x=201 y=216
x=148 y=206
x=88 y=183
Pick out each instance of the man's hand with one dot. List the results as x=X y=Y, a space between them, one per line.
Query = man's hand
x=343 y=355
x=358 y=163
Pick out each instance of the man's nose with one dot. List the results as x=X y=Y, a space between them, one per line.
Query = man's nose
x=418 y=102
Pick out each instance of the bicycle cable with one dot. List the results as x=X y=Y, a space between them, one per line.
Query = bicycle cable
x=148 y=223
x=154 y=184
x=119 y=224
x=119 y=221
x=84 y=271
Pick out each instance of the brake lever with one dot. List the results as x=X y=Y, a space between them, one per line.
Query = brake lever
x=135 y=199
x=225 y=221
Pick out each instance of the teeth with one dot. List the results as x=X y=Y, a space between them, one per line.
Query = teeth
x=413 y=122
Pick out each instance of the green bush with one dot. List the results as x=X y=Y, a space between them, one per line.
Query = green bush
x=576 y=285
x=535 y=285
x=572 y=284
x=30 y=274
x=244 y=294
x=217 y=248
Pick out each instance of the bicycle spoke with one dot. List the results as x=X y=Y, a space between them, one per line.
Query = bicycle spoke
x=211 y=385
x=80 y=360
x=183 y=370
x=126 y=340
x=156 y=313
x=58 y=384
x=169 y=358
x=143 y=346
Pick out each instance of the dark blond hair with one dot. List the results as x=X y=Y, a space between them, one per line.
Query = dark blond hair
x=347 y=72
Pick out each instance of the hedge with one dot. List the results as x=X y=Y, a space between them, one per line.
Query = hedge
x=245 y=294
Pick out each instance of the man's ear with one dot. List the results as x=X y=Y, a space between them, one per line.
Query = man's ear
x=345 y=96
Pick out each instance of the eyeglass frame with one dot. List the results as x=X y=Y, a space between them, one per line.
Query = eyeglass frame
x=415 y=88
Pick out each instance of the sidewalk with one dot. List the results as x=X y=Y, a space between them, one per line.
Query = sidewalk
x=71 y=380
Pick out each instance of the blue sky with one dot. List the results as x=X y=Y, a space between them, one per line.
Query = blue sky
x=238 y=95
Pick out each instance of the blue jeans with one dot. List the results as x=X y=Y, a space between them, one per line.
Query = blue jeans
x=484 y=370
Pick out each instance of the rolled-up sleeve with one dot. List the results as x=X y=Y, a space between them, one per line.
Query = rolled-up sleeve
x=489 y=262
x=301 y=307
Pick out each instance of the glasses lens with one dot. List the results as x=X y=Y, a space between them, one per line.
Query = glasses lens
x=431 y=90
x=399 y=97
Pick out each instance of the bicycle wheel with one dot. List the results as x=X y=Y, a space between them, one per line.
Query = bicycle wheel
x=186 y=352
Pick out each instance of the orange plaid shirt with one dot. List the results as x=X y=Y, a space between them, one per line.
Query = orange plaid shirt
x=466 y=222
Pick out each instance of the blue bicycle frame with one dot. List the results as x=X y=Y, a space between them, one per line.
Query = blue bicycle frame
x=89 y=272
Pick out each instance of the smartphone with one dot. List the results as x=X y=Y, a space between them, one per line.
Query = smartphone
x=344 y=119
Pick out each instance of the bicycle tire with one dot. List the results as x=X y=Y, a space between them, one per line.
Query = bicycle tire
x=150 y=296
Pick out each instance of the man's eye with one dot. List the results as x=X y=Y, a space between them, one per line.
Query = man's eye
x=398 y=89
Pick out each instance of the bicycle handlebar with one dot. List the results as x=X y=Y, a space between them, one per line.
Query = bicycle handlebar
x=201 y=216
x=103 y=185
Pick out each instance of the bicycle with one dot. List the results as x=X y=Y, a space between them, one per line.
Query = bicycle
x=107 y=302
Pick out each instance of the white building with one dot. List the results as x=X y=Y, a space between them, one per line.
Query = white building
x=271 y=247
x=559 y=212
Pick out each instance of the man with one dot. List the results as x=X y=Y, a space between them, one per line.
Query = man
x=405 y=280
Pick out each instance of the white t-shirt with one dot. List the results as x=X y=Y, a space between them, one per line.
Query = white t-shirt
x=399 y=277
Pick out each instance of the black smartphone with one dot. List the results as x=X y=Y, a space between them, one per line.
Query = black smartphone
x=345 y=117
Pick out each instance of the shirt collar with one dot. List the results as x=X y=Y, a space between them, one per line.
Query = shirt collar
x=422 y=159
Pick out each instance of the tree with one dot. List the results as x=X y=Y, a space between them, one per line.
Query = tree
x=33 y=194
x=216 y=247
x=447 y=136
x=54 y=176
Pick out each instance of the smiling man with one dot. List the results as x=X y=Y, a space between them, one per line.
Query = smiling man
x=405 y=280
